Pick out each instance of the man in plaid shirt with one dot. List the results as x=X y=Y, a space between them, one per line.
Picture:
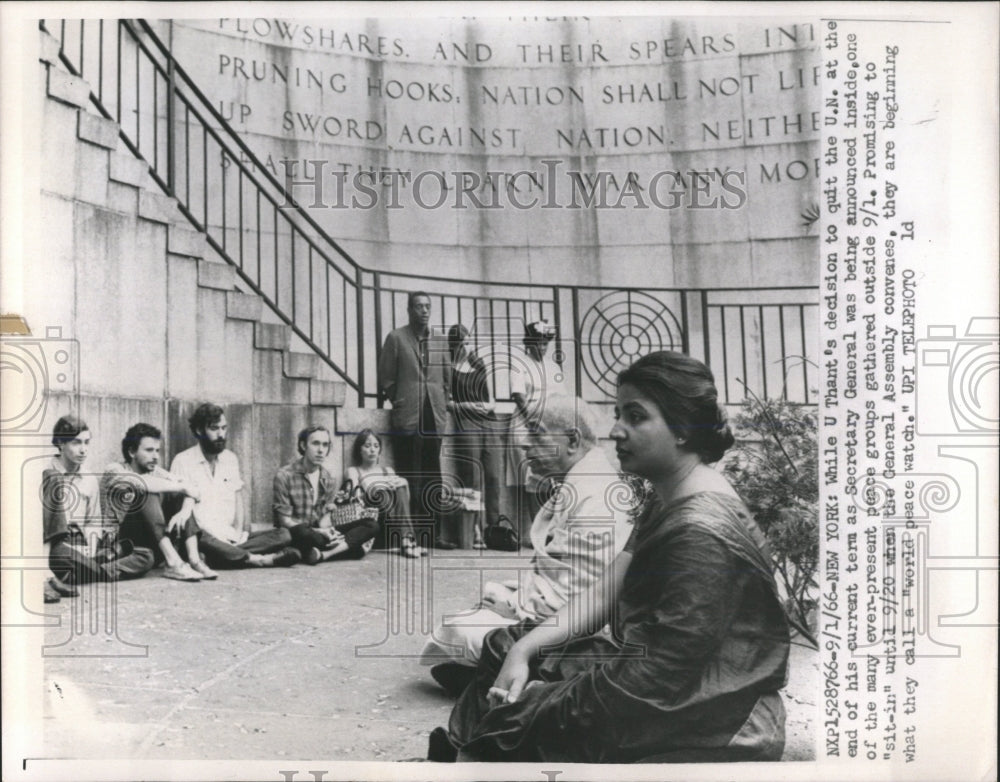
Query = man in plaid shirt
x=304 y=493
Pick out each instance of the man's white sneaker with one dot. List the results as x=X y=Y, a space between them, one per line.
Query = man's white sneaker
x=204 y=571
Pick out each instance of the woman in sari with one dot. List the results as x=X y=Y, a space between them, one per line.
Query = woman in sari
x=699 y=642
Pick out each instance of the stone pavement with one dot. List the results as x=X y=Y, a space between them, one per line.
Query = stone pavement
x=298 y=663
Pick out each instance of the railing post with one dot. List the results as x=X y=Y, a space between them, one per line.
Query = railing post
x=577 y=336
x=170 y=108
x=704 y=328
x=359 y=306
x=377 y=293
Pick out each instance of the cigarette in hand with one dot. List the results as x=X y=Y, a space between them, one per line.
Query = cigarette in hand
x=499 y=693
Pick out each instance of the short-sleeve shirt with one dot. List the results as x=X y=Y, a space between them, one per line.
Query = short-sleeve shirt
x=69 y=499
x=215 y=511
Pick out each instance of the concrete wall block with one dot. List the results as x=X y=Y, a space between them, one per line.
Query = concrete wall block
x=185 y=241
x=215 y=275
x=155 y=207
x=58 y=149
x=128 y=169
x=243 y=306
x=270 y=386
x=326 y=393
x=67 y=89
x=90 y=174
x=123 y=337
x=49 y=277
x=233 y=370
x=272 y=336
x=211 y=343
x=123 y=198
x=304 y=365
x=182 y=326
x=48 y=49
x=97 y=130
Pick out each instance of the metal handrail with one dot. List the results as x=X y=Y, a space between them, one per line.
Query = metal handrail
x=299 y=241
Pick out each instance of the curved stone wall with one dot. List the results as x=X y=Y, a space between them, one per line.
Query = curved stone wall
x=697 y=140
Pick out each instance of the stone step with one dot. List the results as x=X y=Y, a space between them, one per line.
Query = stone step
x=219 y=276
x=272 y=336
x=299 y=365
x=157 y=208
x=127 y=169
x=270 y=384
x=48 y=49
x=97 y=130
x=243 y=306
x=122 y=198
x=185 y=241
x=327 y=393
x=67 y=89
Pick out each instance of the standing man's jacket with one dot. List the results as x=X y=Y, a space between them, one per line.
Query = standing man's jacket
x=405 y=381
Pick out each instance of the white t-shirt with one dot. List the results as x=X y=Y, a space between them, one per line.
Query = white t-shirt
x=313 y=478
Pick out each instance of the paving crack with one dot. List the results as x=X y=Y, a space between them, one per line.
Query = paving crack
x=147 y=743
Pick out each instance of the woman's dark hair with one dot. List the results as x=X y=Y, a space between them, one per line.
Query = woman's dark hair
x=683 y=389
x=456 y=336
x=67 y=429
x=203 y=417
x=359 y=443
x=135 y=435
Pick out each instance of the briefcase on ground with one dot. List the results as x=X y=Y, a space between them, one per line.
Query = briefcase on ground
x=501 y=535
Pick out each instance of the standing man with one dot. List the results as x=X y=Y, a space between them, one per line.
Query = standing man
x=415 y=375
x=227 y=539
x=136 y=490
x=304 y=494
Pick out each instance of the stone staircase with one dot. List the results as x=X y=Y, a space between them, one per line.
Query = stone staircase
x=196 y=274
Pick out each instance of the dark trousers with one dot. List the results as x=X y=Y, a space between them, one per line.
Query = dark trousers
x=305 y=537
x=356 y=534
x=70 y=564
x=418 y=459
x=223 y=554
x=146 y=524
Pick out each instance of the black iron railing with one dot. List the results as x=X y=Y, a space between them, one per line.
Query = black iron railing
x=343 y=311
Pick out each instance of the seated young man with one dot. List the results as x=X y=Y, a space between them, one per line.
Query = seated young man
x=304 y=494
x=137 y=491
x=226 y=540
x=80 y=549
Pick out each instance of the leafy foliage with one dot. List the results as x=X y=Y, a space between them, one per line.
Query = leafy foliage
x=774 y=467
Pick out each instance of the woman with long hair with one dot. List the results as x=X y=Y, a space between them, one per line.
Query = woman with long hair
x=699 y=643
x=475 y=444
x=380 y=486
